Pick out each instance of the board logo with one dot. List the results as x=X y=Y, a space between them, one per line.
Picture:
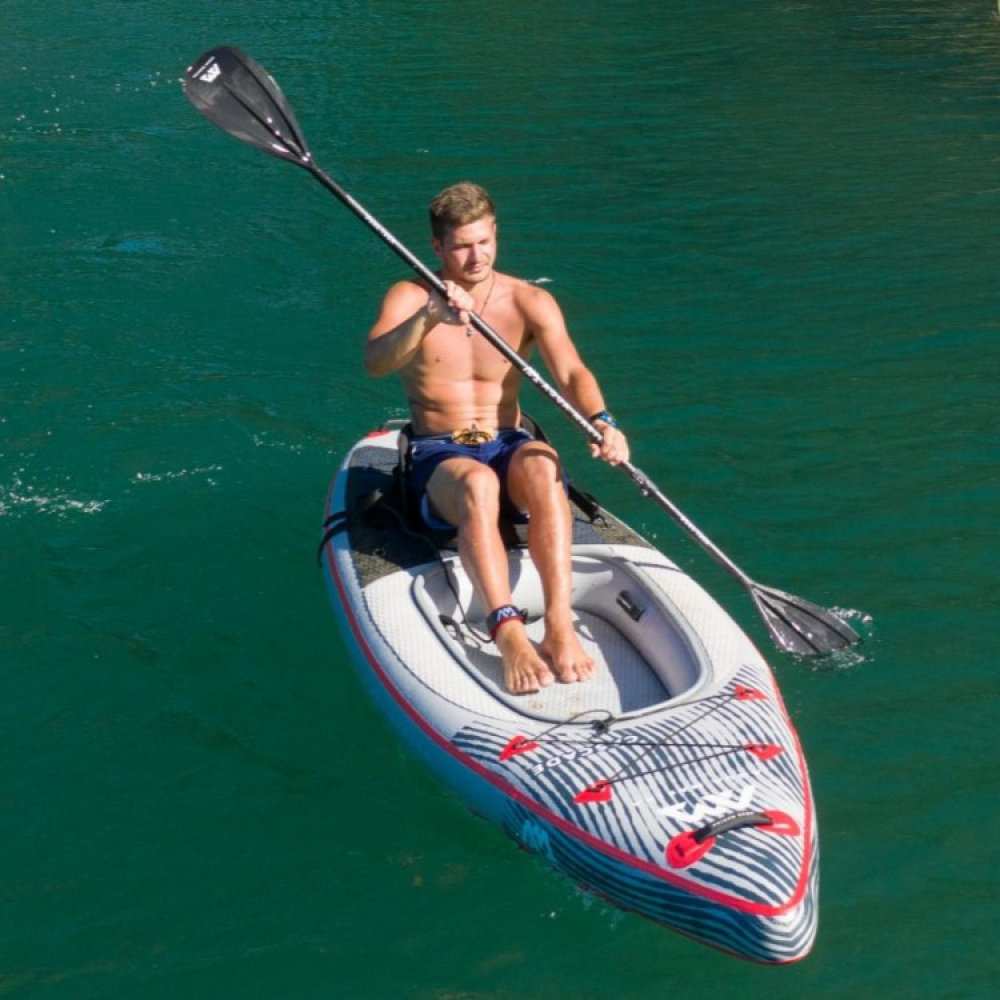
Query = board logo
x=210 y=73
x=709 y=806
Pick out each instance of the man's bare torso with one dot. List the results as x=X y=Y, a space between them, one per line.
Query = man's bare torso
x=458 y=378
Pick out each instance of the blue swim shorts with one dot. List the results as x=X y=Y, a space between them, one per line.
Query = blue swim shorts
x=428 y=451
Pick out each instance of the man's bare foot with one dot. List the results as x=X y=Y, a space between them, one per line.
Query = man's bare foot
x=524 y=671
x=566 y=656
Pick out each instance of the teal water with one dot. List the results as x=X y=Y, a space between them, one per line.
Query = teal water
x=773 y=229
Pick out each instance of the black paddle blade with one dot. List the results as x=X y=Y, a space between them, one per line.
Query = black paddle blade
x=799 y=626
x=236 y=93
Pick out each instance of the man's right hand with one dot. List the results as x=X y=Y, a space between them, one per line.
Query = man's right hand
x=454 y=309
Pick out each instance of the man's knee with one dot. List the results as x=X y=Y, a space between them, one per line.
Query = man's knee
x=535 y=476
x=537 y=463
x=478 y=490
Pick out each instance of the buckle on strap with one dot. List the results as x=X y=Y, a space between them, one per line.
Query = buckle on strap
x=473 y=435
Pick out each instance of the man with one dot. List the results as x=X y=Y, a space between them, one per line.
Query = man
x=469 y=460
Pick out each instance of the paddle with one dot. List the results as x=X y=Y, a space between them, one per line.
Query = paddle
x=237 y=94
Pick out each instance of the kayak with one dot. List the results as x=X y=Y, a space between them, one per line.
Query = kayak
x=672 y=783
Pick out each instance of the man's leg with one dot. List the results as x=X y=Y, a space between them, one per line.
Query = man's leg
x=535 y=485
x=466 y=493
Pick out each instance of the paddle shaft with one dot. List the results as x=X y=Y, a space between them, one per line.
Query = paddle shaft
x=239 y=96
x=642 y=481
x=224 y=79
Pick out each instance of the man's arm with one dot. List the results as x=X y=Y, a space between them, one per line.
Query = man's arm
x=572 y=377
x=408 y=313
x=405 y=317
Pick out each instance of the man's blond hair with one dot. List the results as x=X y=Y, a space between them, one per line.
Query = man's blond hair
x=458 y=205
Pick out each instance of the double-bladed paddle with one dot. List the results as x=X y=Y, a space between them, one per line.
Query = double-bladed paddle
x=239 y=95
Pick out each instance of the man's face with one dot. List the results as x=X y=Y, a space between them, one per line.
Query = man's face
x=467 y=253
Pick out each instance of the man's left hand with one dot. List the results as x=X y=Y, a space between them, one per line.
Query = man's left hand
x=613 y=447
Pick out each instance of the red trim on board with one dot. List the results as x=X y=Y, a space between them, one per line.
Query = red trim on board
x=629 y=860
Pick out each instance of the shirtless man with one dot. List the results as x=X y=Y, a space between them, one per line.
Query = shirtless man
x=459 y=386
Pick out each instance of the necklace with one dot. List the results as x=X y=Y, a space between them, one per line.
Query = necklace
x=486 y=302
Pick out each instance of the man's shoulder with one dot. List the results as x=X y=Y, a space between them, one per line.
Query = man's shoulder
x=528 y=295
x=407 y=288
x=537 y=305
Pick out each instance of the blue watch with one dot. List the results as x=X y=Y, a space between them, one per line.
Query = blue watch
x=604 y=417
